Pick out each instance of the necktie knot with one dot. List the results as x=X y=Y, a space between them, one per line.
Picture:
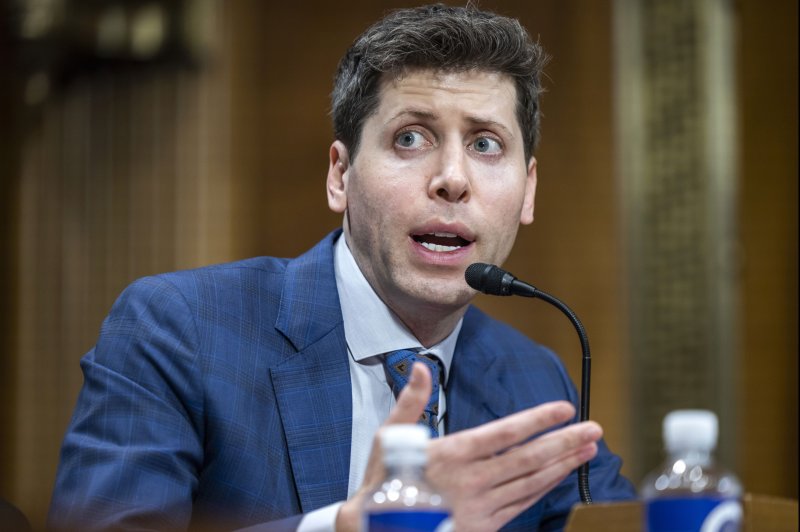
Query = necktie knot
x=398 y=365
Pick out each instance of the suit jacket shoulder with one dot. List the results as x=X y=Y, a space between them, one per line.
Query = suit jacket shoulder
x=214 y=395
x=498 y=371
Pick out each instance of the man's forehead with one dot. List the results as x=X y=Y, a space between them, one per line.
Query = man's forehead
x=410 y=89
x=489 y=99
x=442 y=76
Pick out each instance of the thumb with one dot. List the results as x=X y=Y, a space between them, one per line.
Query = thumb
x=410 y=405
x=415 y=395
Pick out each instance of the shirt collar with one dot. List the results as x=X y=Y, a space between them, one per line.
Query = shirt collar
x=370 y=327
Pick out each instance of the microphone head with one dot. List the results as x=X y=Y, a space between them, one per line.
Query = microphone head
x=488 y=278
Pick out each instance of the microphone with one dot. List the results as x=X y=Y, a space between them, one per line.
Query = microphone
x=492 y=280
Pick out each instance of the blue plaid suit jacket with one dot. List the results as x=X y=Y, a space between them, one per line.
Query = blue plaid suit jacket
x=220 y=397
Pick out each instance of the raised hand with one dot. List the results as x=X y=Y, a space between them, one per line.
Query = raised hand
x=491 y=473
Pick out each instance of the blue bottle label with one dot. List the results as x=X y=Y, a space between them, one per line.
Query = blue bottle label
x=693 y=514
x=407 y=521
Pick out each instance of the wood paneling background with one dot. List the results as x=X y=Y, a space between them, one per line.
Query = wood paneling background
x=768 y=229
x=123 y=177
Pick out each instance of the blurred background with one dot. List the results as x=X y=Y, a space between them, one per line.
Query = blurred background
x=142 y=136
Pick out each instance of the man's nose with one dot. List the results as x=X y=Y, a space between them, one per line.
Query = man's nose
x=450 y=180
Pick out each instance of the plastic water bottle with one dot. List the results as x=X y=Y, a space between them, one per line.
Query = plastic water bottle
x=405 y=502
x=690 y=492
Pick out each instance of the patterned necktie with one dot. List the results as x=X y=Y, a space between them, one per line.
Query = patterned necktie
x=398 y=364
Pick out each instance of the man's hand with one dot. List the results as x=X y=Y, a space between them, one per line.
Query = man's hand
x=410 y=405
x=491 y=473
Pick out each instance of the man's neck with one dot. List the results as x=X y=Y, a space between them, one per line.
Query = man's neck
x=429 y=325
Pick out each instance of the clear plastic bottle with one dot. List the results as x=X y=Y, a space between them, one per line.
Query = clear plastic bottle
x=690 y=492
x=405 y=502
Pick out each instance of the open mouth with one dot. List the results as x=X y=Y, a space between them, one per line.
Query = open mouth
x=441 y=242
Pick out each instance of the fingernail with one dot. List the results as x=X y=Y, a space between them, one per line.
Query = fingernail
x=594 y=432
x=588 y=452
x=413 y=379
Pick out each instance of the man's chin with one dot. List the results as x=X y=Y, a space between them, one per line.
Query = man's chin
x=443 y=297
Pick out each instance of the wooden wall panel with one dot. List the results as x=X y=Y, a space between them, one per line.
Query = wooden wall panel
x=124 y=174
x=125 y=177
x=768 y=226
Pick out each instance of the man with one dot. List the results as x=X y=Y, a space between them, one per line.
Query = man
x=250 y=393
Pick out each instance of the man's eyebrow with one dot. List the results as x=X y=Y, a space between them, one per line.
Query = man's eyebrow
x=488 y=123
x=415 y=113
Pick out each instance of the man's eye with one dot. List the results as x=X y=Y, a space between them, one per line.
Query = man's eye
x=486 y=145
x=410 y=139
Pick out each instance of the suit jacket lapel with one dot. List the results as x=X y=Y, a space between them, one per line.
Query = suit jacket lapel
x=475 y=394
x=312 y=386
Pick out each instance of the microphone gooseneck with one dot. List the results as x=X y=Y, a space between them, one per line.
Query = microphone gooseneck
x=492 y=280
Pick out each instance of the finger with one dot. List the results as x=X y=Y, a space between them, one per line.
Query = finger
x=485 y=474
x=576 y=437
x=499 y=505
x=502 y=434
x=410 y=405
x=412 y=400
x=514 y=497
x=540 y=452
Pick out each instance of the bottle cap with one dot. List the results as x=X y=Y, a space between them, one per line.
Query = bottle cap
x=405 y=444
x=686 y=430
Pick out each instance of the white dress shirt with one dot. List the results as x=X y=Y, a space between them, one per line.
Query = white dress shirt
x=371 y=330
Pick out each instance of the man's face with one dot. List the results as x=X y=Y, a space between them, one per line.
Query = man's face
x=440 y=181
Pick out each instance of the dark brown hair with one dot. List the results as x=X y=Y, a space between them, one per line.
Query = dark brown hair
x=440 y=38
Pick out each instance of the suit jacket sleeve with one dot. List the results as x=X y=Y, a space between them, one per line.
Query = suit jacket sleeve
x=500 y=371
x=133 y=455
x=605 y=481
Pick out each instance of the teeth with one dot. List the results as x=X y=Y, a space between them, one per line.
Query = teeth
x=447 y=235
x=439 y=249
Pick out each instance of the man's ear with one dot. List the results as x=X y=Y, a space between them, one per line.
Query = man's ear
x=526 y=215
x=336 y=184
